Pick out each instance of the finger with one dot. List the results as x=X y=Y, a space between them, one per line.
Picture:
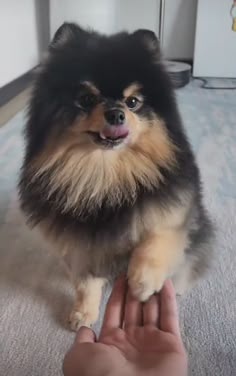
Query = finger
x=151 y=311
x=85 y=335
x=115 y=307
x=70 y=366
x=133 y=311
x=70 y=363
x=169 y=321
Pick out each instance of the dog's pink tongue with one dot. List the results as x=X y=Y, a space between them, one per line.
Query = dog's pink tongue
x=115 y=131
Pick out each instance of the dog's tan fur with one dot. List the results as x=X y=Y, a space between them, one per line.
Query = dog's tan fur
x=158 y=257
x=132 y=90
x=92 y=175
x=109 y=177
x=159 y=238
x=86 y=306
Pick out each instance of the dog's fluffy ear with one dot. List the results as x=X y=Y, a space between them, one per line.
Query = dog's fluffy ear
x=150 y=39
x=66 y=32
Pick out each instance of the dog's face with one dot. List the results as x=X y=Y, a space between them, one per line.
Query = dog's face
x=101 y=116
x=110 y=122
x=103 y=88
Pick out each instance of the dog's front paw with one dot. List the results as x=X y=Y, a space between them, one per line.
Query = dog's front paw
x=145 y=279
x=81 y=317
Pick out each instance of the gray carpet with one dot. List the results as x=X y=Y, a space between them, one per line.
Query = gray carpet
x=35 y=296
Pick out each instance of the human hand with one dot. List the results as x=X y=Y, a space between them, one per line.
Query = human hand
x=136 y=339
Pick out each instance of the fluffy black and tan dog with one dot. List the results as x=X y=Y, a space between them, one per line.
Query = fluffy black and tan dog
x=109 y=177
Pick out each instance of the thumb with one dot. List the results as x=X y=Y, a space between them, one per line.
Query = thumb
x=85 y=334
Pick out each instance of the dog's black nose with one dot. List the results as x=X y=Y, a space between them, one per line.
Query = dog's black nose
x=115 y=117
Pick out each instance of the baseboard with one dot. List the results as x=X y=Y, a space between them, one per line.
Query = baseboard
x=12 y=89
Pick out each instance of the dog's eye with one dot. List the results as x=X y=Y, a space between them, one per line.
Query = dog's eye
x=86 y=101
x=132 y=102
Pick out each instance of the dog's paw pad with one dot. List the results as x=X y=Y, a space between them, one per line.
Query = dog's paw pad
x=144 y=281
x=140 y=290
x=78 y=319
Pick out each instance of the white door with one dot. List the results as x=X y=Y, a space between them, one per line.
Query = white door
x=215 y=41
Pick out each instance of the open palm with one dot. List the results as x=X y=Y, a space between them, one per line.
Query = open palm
x=135 y=339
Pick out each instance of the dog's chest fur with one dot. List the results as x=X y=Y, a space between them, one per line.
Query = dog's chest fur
x=103 y=246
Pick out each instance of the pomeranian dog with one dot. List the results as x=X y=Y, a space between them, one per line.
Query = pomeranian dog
x=109 y=177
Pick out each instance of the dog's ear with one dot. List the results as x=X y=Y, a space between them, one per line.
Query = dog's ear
x=149 y=38
x=66 y=32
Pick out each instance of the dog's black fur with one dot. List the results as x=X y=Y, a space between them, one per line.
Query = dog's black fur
x=111 y=63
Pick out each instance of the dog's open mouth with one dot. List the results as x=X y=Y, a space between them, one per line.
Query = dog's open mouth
x=109 y=137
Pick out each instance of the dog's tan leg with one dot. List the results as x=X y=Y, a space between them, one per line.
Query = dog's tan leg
x=86 y=307
x=156 y=259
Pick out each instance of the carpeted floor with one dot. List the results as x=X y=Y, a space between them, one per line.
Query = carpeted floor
x=35 y=295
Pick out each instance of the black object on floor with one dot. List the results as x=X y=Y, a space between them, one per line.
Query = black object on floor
x=180 y=73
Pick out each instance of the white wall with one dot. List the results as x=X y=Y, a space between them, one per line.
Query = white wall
x=24 y=26
x=107 y=16
x=20 y=38
x=179 y=28
x=110 y=16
